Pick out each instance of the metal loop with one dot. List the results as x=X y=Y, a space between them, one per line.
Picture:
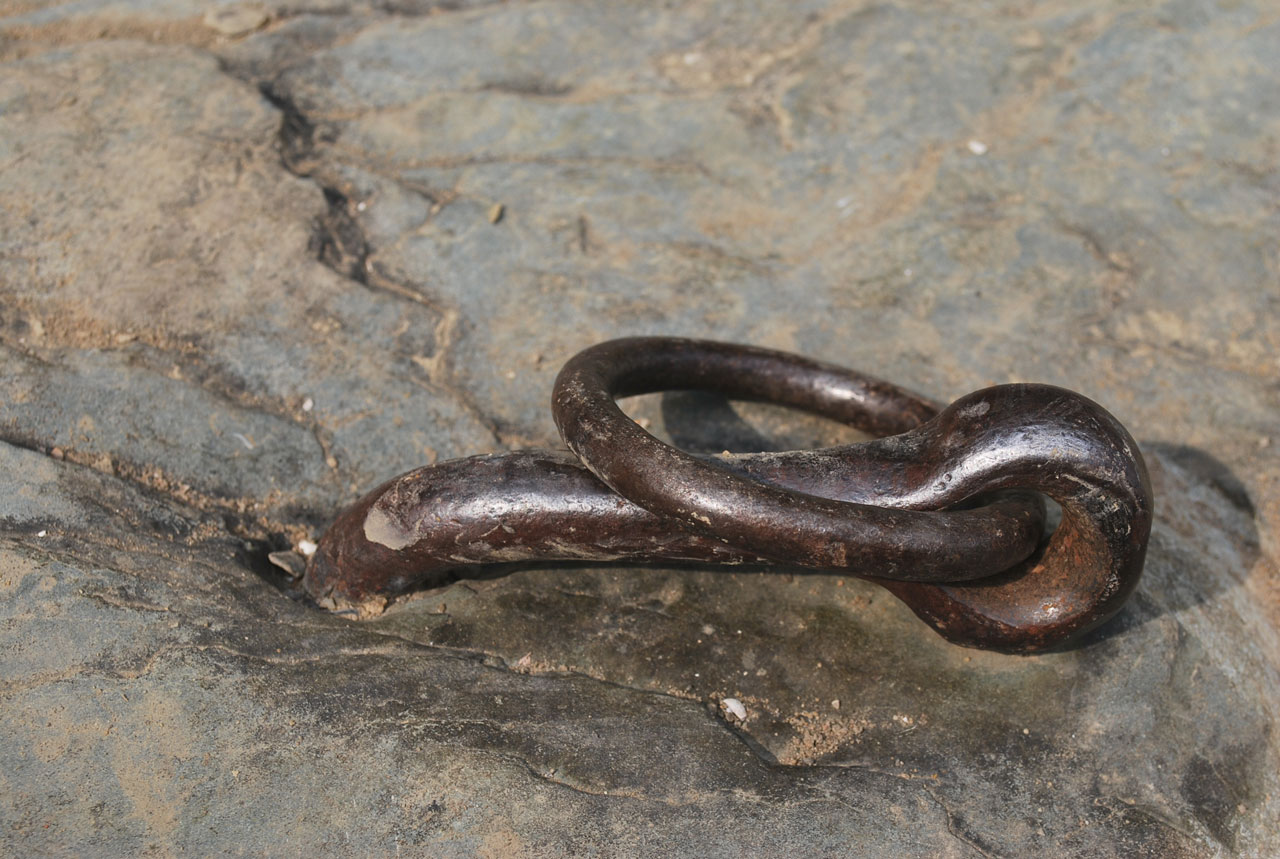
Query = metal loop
x=1030 y=437
x=877 y=509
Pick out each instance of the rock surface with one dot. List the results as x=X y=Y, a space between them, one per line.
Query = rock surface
x=256 y=258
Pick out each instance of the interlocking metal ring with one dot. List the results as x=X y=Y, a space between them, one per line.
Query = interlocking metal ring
x=940 y=512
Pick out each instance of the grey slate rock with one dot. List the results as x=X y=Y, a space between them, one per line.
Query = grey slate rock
x=248 y=275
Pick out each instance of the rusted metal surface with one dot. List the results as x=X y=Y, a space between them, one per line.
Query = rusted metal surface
x=942 y=511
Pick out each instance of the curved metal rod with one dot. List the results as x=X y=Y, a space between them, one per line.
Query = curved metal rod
x=1030 y=437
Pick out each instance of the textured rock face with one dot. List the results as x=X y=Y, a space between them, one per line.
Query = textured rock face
x=254 y=259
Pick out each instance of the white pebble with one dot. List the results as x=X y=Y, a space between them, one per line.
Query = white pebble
x=308 y=404
x=41 y=533
x=977 y=147
x=735 y=708
x=307 y=547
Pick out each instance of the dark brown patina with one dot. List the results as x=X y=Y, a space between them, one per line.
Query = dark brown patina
x=942 y=511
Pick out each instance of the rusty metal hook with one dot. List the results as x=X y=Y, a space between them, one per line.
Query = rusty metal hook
x=897 y=511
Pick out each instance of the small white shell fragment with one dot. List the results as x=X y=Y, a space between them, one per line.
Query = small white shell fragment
x=307 y=547
x=835 y=704
x=41 y=533
x=977 y=147
x=308 y=404
x=735 y=708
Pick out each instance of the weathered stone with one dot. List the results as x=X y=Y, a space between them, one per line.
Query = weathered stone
x=247 y=275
